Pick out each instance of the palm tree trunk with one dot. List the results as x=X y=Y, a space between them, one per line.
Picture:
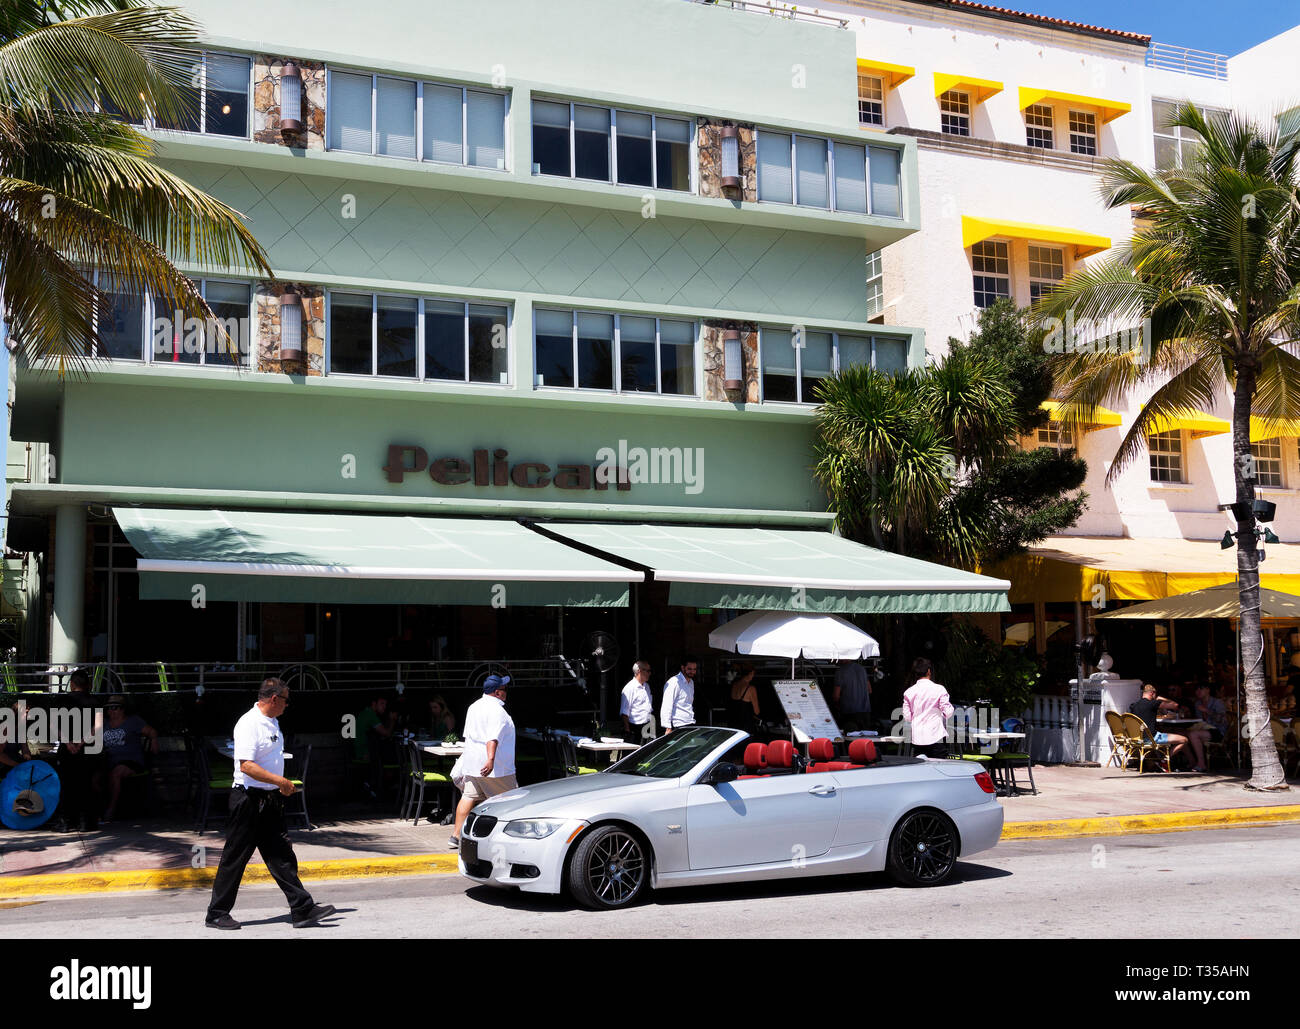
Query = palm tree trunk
x=1266 y=769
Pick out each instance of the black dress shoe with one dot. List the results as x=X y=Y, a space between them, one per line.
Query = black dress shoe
x=313 y=916
x=89 y=825
x=222 y=922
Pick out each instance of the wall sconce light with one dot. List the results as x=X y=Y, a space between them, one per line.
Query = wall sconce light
x=730 y=157
x=290 y=98
x=733 y=361
x=290 y=325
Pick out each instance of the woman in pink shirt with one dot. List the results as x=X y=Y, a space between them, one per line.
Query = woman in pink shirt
x=927 y=707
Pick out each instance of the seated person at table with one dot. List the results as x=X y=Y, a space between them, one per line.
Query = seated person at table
x=374 y=740
x=126 y=738
x=1212 y=710
x=76 y=767
x=442 y=720
x=1149 y=709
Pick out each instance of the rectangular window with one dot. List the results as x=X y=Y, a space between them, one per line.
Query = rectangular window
x=1038 y=126
x=1175 y=146
x=486 y=129
x=425 y=121
x=651 y=355
x=231 y=304
x=1166 y=452
x=954 y=113
x=1083 y=133
x=1046 y=269
x=131 y=330
x=591 y=143
x=219 y=104
x=775 y=178
x=886 y=187
x=351 y=334
x=635 y=149
x=551 y=154
x=810 y=158
x=875 y=285
x=791 y=373
x=850 y=178
x=672 y=154
x=350 y=113
x=1268 y=462
x=488 y=343
x=120 y=319
x=871 y=100
x=396 y=327
x=395 y=118
x=1054 y=436
x=991 y=266
x=444 y=340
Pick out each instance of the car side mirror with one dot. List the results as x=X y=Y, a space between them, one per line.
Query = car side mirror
x=725 y=771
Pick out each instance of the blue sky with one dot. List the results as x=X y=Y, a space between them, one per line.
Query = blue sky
x=1225 y=28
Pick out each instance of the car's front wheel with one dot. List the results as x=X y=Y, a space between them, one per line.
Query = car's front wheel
x=609 y=868
x=923 y=849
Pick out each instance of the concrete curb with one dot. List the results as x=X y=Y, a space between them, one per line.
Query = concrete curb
x=15 y=887
x=29 y=886
x=1125 y=825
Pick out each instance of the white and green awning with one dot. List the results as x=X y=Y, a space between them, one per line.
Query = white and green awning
x=295 y=557
x=786 y=570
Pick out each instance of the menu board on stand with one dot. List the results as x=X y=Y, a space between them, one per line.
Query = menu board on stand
x=807 y=710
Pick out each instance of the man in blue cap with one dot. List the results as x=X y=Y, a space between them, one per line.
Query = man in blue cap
x=488 y=763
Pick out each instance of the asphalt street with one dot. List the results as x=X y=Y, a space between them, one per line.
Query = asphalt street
x=1213 y=883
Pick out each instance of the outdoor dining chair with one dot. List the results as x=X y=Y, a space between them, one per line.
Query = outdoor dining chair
x=1121 y=746
x=420 y=780
x=1016 y=755
x=210 y=783
x=1144 y=743
x=301 y=793
x=1285 y=743
x=569 y=758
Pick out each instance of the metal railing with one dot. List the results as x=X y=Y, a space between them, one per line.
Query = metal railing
x=790 y=12
x=1187 y=61
x=166 y=677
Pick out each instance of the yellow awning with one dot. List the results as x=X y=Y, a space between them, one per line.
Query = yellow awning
x=976 y=230
x=1272 y=428
x=1198 y=423
x=979 y=89
x=893 y=74
x=1108 y=109
x=1100 y=418
x=1103 y=569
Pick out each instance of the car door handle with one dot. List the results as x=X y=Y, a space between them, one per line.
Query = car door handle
x=822 y=791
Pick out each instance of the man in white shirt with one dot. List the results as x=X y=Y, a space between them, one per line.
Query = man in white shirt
x=637 y=705
x=678 y=707
x=489 y=758
x=257 y=815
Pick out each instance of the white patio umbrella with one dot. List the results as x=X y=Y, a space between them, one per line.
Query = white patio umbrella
x=793 y=635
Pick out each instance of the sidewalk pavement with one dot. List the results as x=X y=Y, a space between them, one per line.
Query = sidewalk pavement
x=166 y=854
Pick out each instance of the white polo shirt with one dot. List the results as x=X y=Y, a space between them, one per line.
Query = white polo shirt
x=678 y=707
x=636 y=703
x=487 y=720
x=258 y=739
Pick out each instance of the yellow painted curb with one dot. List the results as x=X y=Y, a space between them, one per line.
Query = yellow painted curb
x=1120 y=825
x=180 y=878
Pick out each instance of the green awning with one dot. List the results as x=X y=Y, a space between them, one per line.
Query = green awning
x=294 y=557
x=787 y=570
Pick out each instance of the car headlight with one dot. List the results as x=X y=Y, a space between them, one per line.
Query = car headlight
x=533 y=828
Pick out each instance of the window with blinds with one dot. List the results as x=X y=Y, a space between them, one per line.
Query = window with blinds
x=413 y=120
x=812 y=171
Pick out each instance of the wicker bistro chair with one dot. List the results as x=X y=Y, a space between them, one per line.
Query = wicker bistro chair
x=1143 y=743
x=1121 y=746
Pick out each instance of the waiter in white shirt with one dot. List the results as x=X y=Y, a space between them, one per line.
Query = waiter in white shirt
x=636 y=706
x=257 y=815
x=488 y=762
x=678 y=707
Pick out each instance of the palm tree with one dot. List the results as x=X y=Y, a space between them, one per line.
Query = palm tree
x=1213 y=272
x=78 y=187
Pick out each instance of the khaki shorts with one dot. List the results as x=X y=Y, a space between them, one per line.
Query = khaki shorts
x=478 y=787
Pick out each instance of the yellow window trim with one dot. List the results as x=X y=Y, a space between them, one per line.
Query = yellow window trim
x=894 y=75
x=979 y=89
x=1108 y=110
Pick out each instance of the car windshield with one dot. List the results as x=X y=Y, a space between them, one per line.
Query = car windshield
x=673 y=755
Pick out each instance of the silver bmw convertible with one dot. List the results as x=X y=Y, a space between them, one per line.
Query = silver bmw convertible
x=712 y=805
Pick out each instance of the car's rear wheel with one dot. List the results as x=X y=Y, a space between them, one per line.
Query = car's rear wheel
x=609 y=868
x=923 y=849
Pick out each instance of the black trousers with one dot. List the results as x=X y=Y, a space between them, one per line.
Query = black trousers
x=633 y=735
x=939 y=749
x=75 y=774
x=257 y=823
